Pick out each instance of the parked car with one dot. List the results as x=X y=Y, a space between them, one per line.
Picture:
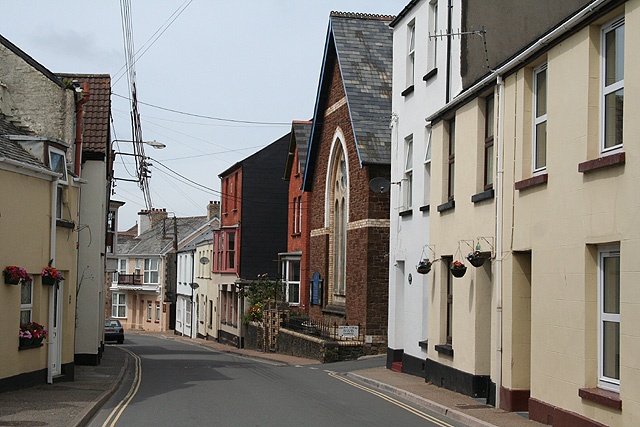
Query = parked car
x=113 y=330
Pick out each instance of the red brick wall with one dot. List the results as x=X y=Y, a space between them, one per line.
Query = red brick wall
x=300 y=241
x=367 y=265
x=230 y=206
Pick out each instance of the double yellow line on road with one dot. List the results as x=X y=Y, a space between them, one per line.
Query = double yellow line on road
x=137 y=379
x=392 y=400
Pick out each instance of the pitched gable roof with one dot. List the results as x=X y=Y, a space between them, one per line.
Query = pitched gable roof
x=300 y=132
x=157 y=240
x=32 y=62
x=362 y=45
x=95 y=118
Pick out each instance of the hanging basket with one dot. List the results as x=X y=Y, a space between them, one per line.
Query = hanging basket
x=458 y=270
x=423 y=267
x=49 y=281
x=477 y=261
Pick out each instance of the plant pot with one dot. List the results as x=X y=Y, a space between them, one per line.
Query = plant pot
x=423 y=268
x=37 y=341
x=10 y=281
x=48 y=280
x=477 y=261
x=459 y=272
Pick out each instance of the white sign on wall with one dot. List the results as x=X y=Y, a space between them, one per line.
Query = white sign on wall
x=348 y=331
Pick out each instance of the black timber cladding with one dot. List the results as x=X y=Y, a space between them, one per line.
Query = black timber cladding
x=263 y=224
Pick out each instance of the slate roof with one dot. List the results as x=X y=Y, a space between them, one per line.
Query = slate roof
x=152 y=242
x=14 y=151
x=364 y=45
x=95 y=118
x=300 y=133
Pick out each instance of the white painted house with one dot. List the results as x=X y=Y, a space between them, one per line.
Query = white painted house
x=425 y=77
x=187 y=293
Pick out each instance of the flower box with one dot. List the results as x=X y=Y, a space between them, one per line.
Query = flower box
x=14 y=275
x=49 y=281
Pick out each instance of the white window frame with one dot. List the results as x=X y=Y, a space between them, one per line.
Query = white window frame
x=157 y=312
x=148 y=271
x=605 y=90
x=408 y=172
x=26 y=306
x=432 y=44
x=411 y=53
x=120 y=270
x=539 y=120
x=149 y=310
x=427 y=166
x=286 y=267
x=605 y=382
x=115 y=305
x=64 y=179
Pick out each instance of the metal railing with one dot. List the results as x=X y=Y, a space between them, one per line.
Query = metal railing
x=129 y=279
x=322 y=329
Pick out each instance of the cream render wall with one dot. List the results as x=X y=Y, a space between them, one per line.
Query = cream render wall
x=453 y=233
x=563 y=222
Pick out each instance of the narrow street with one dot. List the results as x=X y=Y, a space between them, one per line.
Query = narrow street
x=186 y=384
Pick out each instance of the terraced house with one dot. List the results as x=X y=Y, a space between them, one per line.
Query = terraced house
x=548 y=322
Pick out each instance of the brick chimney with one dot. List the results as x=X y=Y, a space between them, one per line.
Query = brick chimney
x=150 y=218
x=213 y=210
x=156 y=216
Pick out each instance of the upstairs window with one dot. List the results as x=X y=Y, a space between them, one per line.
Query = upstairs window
x=151 y=275
x=427 y=167
x=612 y=77
x=230 y=253
x=58 y=163
x=488 y=142
x=432 y=46
x=411 y=53
x=408 y=173
x=540 y=119
x=451 y=159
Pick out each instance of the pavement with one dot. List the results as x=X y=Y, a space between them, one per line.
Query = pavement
x=75 y=403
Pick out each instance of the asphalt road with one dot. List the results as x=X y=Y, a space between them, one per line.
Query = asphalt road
x=174 y=383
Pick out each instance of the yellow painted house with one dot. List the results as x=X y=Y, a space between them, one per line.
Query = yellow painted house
x=38 y=218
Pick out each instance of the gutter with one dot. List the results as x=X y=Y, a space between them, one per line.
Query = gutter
x=78 y=142
x=540 y=44
x=38 y=170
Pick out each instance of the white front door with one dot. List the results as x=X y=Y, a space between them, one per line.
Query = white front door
x=55 y=331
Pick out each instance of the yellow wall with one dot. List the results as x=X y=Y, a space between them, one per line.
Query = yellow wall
x=25 y=224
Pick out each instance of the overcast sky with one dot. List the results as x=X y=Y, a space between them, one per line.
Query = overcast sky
x=242 y=60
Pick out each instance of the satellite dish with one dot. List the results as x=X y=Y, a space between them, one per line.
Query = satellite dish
x=379 y=185
x=204 y=260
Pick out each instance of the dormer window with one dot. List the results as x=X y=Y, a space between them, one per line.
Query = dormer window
x=57 y=163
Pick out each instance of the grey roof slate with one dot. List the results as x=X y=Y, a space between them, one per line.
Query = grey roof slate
x=152 y=242
x=14 y=151
x=301 y=131
x=364 y=45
